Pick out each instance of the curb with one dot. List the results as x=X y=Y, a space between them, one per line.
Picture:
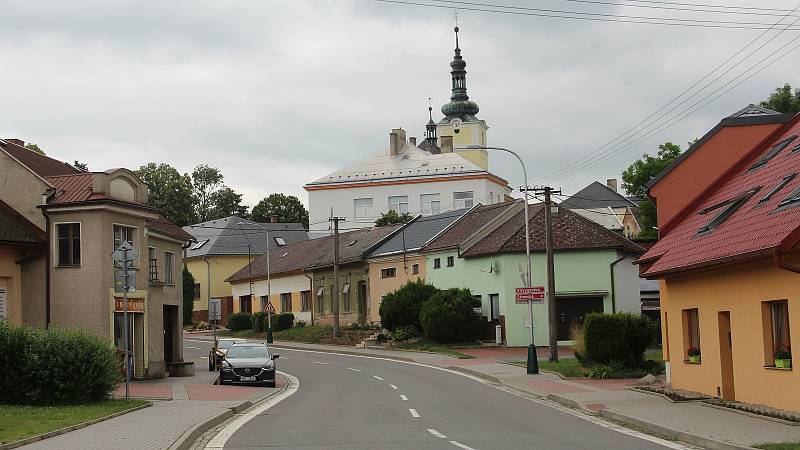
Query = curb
x=190 y=436
x=750 y=414
x=65 y=430
x=475 y=373
x=343 y=351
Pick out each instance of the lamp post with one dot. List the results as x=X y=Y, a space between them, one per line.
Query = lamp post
x=533 y=362
x=269 y=282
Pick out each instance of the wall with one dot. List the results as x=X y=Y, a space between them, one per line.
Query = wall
x=27 y=191
x=158 y=296
x=11 y=281
x=469 y=133
x=293 y=284
x=704 y=166
x=381 y=286
x=341 y=199
x=353 y=274
x=627 y=286
x=33 y=291
x=221 y=268
x=740 y=290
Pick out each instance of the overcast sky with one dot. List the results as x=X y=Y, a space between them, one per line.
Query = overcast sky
x=279 y=93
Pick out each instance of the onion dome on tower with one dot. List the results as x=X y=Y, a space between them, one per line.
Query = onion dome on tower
x=460 y=105
x=429 y=144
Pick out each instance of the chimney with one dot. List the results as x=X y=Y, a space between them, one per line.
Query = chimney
x=447 y=144
x=413 y=141
x=397 y=139
x=273 y=219
x=19 y=142
x=612 y=184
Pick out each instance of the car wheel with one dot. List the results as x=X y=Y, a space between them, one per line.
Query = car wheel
x=210 y=365
x=221 y=381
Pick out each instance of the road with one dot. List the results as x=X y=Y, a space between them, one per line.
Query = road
x=346 y=402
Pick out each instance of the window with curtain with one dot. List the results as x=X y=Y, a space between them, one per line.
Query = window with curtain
x=169 y=268
x=780 y=325
x=691 y=325
x=305 y=300
x=398 y=204
x=430 y=204
x=286 y=302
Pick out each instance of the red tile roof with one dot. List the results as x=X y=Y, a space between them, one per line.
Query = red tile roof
x=467 y=225
x=754 y=229
x=165 y=226
x=73 y=188
x=42 y=165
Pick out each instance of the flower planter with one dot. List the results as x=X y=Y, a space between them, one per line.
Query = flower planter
x=783 y=363
x=694 y=359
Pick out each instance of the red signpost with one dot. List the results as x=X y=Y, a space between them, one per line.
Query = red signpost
x=533 y=294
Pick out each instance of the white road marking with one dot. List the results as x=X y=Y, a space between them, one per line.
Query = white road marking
x=320 y=362
x=413 y=412
x=393 y=387
x=404 y=398
x=459 y=444
x=436 y=433
x=222 y=437
x=199 y=340
x=377 y=377
x=354 y=370
x=204 y=357
x=195 y=348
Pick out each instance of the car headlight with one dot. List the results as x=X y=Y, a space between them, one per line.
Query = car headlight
x=269 y=366
x=226 y=366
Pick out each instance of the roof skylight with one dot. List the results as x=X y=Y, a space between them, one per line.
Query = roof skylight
x=280 y=241
x=726 y=209
x=792 y=200
x=199 y=244
x=772 y=152
x=778 y=187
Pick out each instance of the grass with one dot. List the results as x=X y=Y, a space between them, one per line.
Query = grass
x=308 y=333
x=571 y=368
x=779 y=446
x=20 y=422
x=435 y=347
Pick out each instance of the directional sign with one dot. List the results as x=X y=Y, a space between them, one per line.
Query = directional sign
x=214 y=309
x=525 y=294
x=120 y=282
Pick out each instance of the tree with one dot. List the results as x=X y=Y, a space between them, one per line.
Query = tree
x=636 y=177
x=205 y=181
x=287 y=207
x=401 y=307
x=392 y=218
x=83 y=167
x=170 y=192
x=783 y=100
x=449 y=316
x=34 y=148
x=226 y=202
x=188 y=296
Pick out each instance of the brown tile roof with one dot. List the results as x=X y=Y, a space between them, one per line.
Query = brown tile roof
x=165 y=226
x=466 y=226
x=73 y=188
x=571 y=231
x=42 y=165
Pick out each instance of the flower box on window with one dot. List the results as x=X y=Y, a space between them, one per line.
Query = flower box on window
x=694 y=355
x=783 y=359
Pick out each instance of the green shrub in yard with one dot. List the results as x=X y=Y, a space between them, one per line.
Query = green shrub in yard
x=282 y=321
x=405 y=333
x=55 y=366
x=449 y=316
x=239 y=322
x=401 y=307
x=621 y=337
x=259 y=321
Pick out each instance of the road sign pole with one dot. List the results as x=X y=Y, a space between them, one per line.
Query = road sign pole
x=125 y=319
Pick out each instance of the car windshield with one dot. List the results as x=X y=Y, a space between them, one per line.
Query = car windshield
x=225 y=344
x=248 y=351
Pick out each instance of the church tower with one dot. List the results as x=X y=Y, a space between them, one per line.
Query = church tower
x=460 y=119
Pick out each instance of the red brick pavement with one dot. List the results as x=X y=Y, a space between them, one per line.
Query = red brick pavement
x=556 y=387
x=145 y=390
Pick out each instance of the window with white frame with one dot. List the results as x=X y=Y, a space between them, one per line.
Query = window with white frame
x=465 y=199
x=430 y=204
x=169 y=268
x=398 y=204
x=123 y=233
x=363 y=210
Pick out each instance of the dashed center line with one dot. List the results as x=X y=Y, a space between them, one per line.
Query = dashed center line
x=404 y=398
x=354 y=370
x=377 y=377
x=414 y=413
x=436 y=433
x=393 y=387
x=459 y=444
x=320 y=362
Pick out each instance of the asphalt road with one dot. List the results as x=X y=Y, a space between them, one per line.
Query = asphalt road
x=346 y=402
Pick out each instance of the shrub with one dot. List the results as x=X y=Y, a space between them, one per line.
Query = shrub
x=620 y=337
x=300 y=324
x=282 y=321
x=405 y=333
x=55 y=366
x=239 y=322
x=402 y=307
x=579 y=347
x=259 y=321
x=449 y=316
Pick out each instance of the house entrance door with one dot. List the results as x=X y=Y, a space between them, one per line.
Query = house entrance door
x=362 y=301
x=726 y=355
x=572 y=311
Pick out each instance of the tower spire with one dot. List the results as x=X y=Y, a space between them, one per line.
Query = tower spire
x=459 y=106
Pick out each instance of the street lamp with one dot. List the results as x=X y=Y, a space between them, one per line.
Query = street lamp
x=269 y=284
x=533 y=362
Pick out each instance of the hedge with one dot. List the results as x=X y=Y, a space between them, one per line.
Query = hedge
x=55 y=366
x=620 y=337
x=401 y=307
x=280 y=322
x=449 y=316
x=239 y=322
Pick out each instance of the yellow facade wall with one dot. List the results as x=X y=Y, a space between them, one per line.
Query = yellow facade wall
x=382 y=286
x=221 y=268
x=740 y=290
x=10 y=280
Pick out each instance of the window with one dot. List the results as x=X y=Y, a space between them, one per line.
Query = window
x=792 y=200
x=331 y=291
x=320 y=301
x=197 y=291
x=199 y=244
x=437 y=263
x=305 y=300
x=123 y=233
x=430 y=204
x=286 y=302
x=778 y=187
x=388 y=272
x=451 y=261
x=280 y=241
x=152 y=265
x=726 y=209
x=772 y=152
x=776 y=330
x=245 y=305
x=363 y=209
x=346 y=295
x=494 y=302
x=398 y=204
x=69 y=244
x=463 y=200
x=264 y=302
x=414 y=269
x=169 y=268
x=691 y=330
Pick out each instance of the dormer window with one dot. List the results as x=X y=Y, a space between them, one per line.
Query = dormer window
x=773 y=152
x=726 y=209
x=776 y=189
x=792 y=200
x=199 y=244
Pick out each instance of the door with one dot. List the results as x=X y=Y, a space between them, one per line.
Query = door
x=726 y=355
x=362 y=301
x=572 y=311
x=170 y=336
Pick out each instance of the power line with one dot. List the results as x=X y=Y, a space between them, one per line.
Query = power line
x=739 y=10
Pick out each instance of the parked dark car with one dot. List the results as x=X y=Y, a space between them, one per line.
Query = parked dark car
x=248 y=363
x=217 y=352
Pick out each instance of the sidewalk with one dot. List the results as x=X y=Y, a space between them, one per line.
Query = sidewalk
x=181 y=406
x=695 y=423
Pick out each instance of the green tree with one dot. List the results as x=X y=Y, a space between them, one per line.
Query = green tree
x=392 y=218
x=401 y=307
x=636 y=177
x=226 y=202
x=170 y=192
x=83 y=167
x=287 y=207
x=449 y=316
x=34 y=148
x=188 y=296
x=783 y=100
x=205 y=181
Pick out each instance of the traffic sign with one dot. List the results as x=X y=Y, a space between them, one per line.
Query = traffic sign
x=121 y=281
x=120 y=253
x=270 y=308
x=534 y=294
x=214 y=309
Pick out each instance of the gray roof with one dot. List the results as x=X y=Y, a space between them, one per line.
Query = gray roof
x=753 y=110
x=415 y=234
x=15 y=229
x=226 y=237
x=597 y=195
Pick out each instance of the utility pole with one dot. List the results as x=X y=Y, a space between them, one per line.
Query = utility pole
x=551 y=280
x=335 y=293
